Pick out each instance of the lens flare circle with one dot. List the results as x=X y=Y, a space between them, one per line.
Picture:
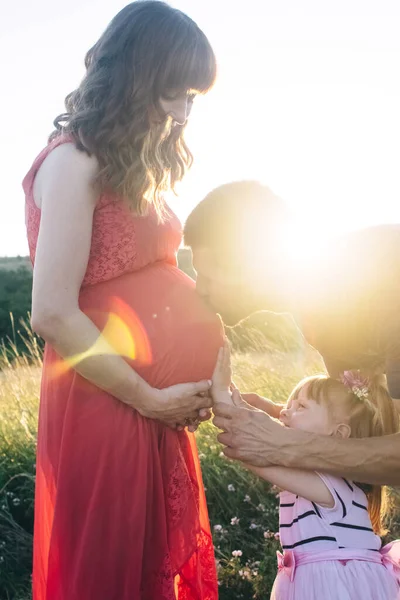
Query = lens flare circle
x=122 y=335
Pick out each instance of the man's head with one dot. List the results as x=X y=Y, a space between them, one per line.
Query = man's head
x=235 y=234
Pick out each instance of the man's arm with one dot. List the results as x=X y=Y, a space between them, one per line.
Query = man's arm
x=253 y=437
x=368 y=460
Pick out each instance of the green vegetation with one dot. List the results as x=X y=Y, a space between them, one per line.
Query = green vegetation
x=15 y=298
x=243 y=509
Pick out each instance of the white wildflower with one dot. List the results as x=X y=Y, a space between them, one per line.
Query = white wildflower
x=268 y=534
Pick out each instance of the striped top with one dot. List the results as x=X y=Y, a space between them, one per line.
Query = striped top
x=308 y=527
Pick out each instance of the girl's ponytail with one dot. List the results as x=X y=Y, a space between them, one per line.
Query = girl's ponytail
x=380 y=418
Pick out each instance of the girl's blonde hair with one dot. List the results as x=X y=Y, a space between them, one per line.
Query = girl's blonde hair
x=371 y=415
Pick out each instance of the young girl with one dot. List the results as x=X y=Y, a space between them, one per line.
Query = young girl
x=329 y=526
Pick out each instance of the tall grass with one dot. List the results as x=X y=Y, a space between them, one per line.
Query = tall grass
x=243 y=509
x=19 y=392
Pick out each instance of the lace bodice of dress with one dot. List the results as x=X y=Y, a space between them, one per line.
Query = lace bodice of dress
x=121 y=241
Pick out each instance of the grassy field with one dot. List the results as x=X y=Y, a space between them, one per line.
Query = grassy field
x=243 y=510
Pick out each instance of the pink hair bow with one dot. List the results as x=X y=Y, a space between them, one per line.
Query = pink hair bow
x=356 y=383
x=286 y=563
x=391 y=558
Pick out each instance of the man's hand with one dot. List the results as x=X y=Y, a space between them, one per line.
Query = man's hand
x=249 y=435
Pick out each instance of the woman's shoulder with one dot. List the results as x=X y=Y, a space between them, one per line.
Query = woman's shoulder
x=66 y=159
x=58 y=161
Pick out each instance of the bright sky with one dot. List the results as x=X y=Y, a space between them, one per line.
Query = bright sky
x=308 y=101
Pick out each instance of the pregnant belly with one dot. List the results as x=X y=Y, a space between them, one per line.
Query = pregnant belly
x=159 y=322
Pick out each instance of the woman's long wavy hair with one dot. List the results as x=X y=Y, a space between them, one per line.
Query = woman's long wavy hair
x=370 y=416
x=147 y=49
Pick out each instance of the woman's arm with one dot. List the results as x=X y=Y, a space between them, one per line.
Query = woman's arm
x=305 y=484
x=67 y=198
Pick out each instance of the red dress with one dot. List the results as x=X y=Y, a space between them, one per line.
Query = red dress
x=120 y=511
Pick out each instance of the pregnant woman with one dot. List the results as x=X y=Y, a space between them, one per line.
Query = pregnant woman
x=120 y=512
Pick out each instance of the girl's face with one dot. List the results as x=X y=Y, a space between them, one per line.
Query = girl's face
x=308 y=415
x=176 y=104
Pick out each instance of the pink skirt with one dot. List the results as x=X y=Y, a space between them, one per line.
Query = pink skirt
x=316 y=576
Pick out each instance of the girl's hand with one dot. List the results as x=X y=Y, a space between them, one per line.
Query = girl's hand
x=222 y=376
x=178 y=405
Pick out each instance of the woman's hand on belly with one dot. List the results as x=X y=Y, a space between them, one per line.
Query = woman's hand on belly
x=177 y=405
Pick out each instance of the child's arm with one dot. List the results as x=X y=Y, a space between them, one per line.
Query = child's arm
x=265 y=404
x=306 y=484
x=222 y=376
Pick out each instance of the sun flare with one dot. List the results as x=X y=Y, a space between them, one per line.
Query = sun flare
x=296 y=248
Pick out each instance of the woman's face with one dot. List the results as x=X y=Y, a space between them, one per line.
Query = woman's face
x=176 y=104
